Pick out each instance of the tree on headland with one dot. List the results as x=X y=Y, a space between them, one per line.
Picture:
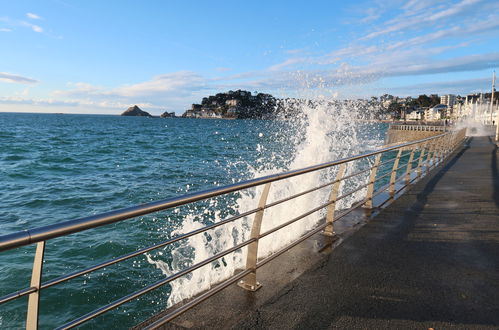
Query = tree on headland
x=235 y=104
x=424 y=101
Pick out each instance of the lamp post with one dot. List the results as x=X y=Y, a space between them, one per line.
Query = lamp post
x=492 y=96
x=492 y=105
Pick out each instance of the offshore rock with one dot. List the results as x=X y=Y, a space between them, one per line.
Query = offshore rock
x=167 y=114
x=136 y=111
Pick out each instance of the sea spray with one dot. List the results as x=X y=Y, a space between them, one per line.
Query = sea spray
x=312 y=132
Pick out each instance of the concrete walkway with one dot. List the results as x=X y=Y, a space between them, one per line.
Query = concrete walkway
x=429 y=260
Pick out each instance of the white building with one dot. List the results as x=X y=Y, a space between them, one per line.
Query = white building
x=413 y=115
x=449 y=100
x=232 y=102
x=436 y=112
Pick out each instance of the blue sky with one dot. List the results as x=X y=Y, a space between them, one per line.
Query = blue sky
x=103 y=56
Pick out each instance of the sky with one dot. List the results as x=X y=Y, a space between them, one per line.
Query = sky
x=104 y=56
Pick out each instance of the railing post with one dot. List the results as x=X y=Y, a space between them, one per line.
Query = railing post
x=329 y=230
x=431 y=151
x=36 y=278
x=409 y=165
x=421 y=158
x=449 y=144
x=372 y=180
x=436 y=154
x=249 y=281
x=454 y=141
x=445 y=146
x=393 y=177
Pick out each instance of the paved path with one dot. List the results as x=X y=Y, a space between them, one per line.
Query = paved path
x=430 y=260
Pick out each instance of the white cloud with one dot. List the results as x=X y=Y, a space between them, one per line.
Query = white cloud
x=33 y=16
x=403 y=22
x=36 y=28
x=33 y=27
x=171 y=91
x=462 y=87
x=165 y=84
x=14 y=78
x=161 y=86
x=5 y=30
x=71 y=103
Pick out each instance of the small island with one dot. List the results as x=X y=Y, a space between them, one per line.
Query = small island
x=136 y=111
x=167 y=114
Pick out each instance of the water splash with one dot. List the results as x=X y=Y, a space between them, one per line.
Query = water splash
x=318 y=132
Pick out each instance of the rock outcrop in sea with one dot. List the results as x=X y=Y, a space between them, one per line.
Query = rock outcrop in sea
x=167 y=114
x=136 y=111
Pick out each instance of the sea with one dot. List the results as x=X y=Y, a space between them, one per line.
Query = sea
x=58 y=167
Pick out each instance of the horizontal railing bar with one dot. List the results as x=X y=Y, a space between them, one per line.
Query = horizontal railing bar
x=299 y=194
x=26 y=237
x=184 y=236
x=239 y=276
x=387 y=186
x=17 y=294
x=287 y=247
x=406 y=154
x=394 y=158
x=301 y=216
x=312 y=211
x=381 y=190
x=304 y=237
x=136 y=253
x=350 y=209
x=79 y=273
x=198 y=300
x=316 y=188
x=386 y=162
x=401 y=178
x=144 y=250
x=355 y=174
x=353 y=191
x=416 y=159
x=401 y=166
x=384 y=175
x=208 y=294
x=150 y=287
x=390 y=160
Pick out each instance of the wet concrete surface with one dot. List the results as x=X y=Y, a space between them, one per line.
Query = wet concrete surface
x=429 y=260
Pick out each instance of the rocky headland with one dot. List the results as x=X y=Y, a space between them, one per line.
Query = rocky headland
x=234 y=105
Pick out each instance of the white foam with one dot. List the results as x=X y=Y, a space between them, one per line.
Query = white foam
x=321 y=132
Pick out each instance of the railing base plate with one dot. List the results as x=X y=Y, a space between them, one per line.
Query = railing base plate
x=328 y=234
x=249 y=287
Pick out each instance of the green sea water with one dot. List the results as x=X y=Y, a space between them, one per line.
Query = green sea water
x=56 y=167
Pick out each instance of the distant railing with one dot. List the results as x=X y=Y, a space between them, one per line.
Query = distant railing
x=423 y=154
x=421 y=128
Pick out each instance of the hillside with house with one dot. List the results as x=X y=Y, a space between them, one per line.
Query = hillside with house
x=234 y=105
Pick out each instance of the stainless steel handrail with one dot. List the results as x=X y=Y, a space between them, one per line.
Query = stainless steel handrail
x=438 y=146
x=26 y=237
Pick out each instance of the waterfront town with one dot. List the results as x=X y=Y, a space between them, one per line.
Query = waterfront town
x=242 y=104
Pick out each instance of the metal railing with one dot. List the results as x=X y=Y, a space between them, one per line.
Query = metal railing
x=423 y=155
x=421 y=128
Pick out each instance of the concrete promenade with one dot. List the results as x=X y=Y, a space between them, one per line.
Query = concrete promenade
x=429 y=260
